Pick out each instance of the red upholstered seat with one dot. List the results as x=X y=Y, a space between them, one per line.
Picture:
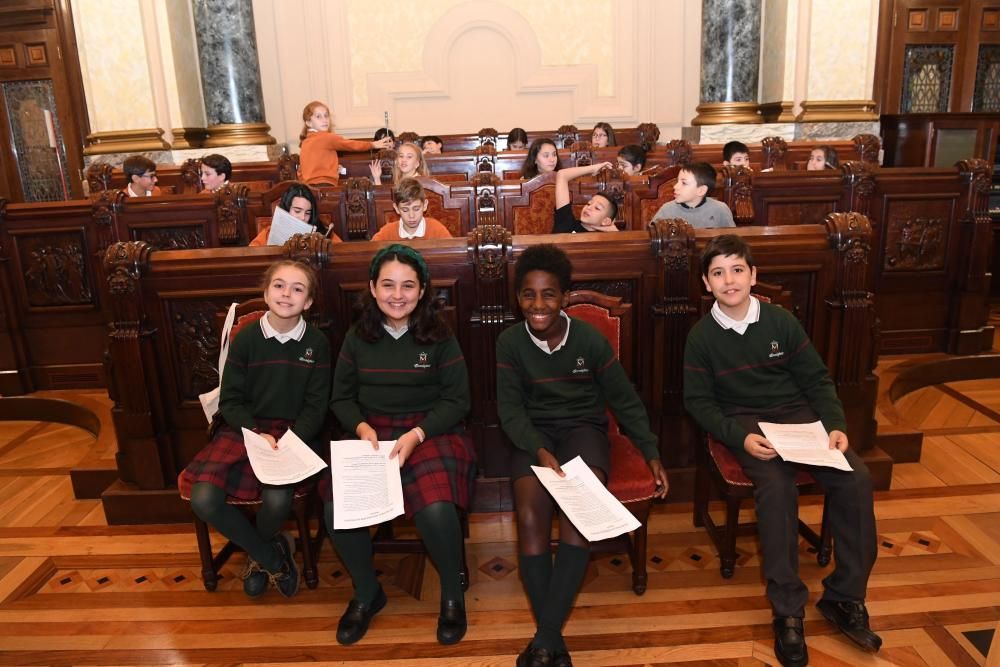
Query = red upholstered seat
x=732 y=471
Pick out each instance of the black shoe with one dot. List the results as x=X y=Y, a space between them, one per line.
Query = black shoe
x=354 y=623
x=790 y=641
x=562 y=659
x=254 y=579
x=851 y=618
x=452 y=623
x=535 y=657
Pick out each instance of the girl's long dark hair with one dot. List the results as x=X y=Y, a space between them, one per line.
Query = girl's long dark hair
x=529 y=169
x=298 y=189
x=426 y=323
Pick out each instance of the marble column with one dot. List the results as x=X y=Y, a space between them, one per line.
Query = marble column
x=230 y=73
x=730 y=62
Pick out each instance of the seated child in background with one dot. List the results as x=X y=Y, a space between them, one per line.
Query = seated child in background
x=409 y=163
x=599 y=213
x=300 y=202
x=517 y=139
x=602 y=136
x=737 y=154
x=140 y=173
x=823 y=157
x=748 y=362
x=542 y=158
x=431 y=145
x=318 y=159
x=691 y=201
x=382 y=133
x=410 y=202
x=216 y=170
x=556 y=376
x=267 y=388
x=632 y=159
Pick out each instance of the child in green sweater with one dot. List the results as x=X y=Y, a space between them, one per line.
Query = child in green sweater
x=555 y=377
x=748 y=362
x=277 y=377
x=401 y=376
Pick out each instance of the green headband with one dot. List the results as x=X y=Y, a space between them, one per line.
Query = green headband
x=399 y=249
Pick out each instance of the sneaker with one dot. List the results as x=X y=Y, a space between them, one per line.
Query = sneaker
x=851 y=618
x=254 y=579
x=285 y=579
x=790 y=641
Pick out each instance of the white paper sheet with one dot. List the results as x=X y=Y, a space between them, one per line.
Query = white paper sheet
x=595 y=512
x=804 y=443
x=291 y=462
x=284 y=227
x=367 y=488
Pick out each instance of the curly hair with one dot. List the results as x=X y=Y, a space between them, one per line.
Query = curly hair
x=544 y=257
x=425 y=323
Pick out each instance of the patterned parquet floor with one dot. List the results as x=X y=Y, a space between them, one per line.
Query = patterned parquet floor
x=74 y=591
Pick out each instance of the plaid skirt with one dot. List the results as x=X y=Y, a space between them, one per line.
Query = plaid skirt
x=441 y=468
x=223 y=463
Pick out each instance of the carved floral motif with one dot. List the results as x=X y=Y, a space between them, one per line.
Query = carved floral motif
x=567 y=135
x=678 y=152
x=490 y=248
x=55 y=273
x=774 y=150
x=915 y=244
x=171 y=238
x=123 y=263
x=488 y=137
x=867 y=147
x=196 y=343
x=358 y=195
x=670 y=240
x=649 y=134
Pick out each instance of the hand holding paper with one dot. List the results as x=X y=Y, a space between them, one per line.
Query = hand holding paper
x=291 y=462
x=367 y=488
x=804 y=443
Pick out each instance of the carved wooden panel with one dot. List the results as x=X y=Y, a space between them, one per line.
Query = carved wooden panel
x=194 y=338
x=797 y=213
x=917 y=19
x=538 y=216
x=623 y=288
x=55 y=269
x=948 y=18
x=36 y=54
x=8 y=57
x=991 y=19
x=916 y=235
x=170 y=238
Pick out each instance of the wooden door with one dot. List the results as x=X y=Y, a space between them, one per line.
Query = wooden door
x=39 y=73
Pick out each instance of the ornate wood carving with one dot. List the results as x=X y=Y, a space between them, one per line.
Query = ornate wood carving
x=678 y=153
x=104 y=209
x=738 y=189
x=231 y=212
x=387 y=158
x=191 y=174
x=567 y=135
x=968 y=332
x=490 y=249
x=99 y=177
x=867 y=147
x=357 y=207
x=55 y=269
x=195 y=339
x=288 y=167
x=486 y=198
x=620 y=288
x=859 y=186
x=581 y=154
x=487 y=137
x=312 y=249
x=170 y=238
x=123 y=264
x=774 y=150
x=612 y=183
x=649 y=134
x=672 y=241
x=486 y=159
x=915 y=244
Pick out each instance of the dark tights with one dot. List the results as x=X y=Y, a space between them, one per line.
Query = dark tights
x=209 y=504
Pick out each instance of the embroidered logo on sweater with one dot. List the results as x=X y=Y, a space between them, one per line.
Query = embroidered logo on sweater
x=422 y=361
x=307 y=356
x=580 y=366
x=775 y=350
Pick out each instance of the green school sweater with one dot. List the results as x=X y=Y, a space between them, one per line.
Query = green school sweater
x=397 y=377
x=578 y=380
x=266 y=379
x=771 y=364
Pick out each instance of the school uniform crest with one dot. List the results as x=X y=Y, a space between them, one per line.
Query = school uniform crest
x=581 y=366
x=309 y=353
x=579 y=362
x=775 y=350
x=422 y=361
x=423 y=357
x=307 y=356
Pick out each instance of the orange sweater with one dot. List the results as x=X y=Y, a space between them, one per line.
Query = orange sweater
x=261 y=239
x=318 y=160
x=433 y=230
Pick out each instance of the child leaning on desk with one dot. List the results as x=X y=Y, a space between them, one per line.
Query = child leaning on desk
x=277 y=377
x=555 y=375
x=747 y=362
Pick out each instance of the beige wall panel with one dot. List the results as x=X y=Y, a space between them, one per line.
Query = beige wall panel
x=841 y=65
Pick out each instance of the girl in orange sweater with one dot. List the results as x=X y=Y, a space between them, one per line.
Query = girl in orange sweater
x=318 y=160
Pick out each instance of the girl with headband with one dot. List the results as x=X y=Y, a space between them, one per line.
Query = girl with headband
x=401 y=376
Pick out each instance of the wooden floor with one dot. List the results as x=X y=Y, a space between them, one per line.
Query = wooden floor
x=75 y=591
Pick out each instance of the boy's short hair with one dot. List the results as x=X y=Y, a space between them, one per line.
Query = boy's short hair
x=544 y=257
x=409 y=189
x=220 y=163
x=433 y=138
x=704 y=174
x=612 y=204
x=732 y=148
x=725 y=245
x=137 y=165
x=633 y=154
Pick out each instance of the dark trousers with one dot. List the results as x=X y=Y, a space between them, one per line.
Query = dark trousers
x=850 y=512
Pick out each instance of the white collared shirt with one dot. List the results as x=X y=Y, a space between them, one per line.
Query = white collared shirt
x=295 y=333
x=543 y=345
x=131 y=192
x=418 y=233
x=396 y=333
x=739 y=326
